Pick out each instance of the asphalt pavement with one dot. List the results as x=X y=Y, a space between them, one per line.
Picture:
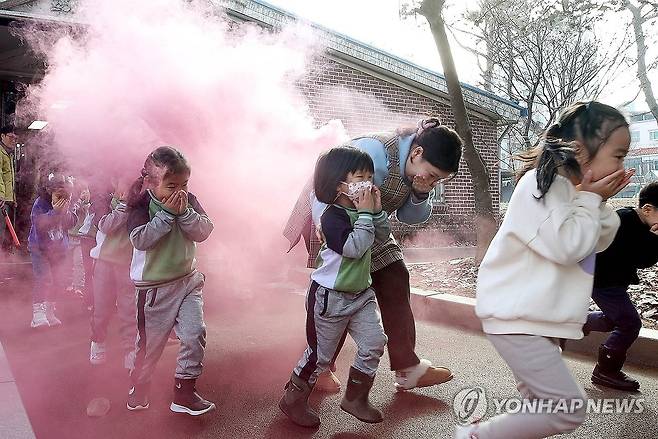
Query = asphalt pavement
x=254 y=340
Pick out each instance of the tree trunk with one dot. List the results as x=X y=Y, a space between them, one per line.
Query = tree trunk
x=645 y=84
x=485 y=221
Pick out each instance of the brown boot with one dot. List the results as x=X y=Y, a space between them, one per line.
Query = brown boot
x=187 y=399
x=355 y=402
x=295 y=403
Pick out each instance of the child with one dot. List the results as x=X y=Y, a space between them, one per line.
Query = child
x=535 y=281
x=165 y=222
x=85 y=231
x=111 y=282
x=635 y=246
x=340 y=297
x=48 y=245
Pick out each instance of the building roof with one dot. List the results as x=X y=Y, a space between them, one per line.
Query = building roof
x=636 y=152
x=341 y=47
x=348 y=49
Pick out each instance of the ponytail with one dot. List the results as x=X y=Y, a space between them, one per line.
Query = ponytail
x=556 y=155
x=590 y=124
x=549 y=157
x=136 y=189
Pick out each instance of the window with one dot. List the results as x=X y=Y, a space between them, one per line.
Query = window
x=642 y=117
x=635 y=137
x=653 y=135
x=439 y=195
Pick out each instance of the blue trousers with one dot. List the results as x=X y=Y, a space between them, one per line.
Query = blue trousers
x=617 y=316
x=49 y=278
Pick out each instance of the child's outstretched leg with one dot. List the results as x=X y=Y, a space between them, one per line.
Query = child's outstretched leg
x=104 y=291
x=41 y=271
x=326 y=322
x=191 y=330
x=58 y=267
x=366 y=330
x=625 y=323
x=86 y=244
x=127 y=314
x=537 y=364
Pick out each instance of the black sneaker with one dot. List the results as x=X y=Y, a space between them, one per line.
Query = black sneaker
x=138 y=398
x=187 y=400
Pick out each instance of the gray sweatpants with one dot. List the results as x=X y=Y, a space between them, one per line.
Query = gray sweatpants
x=114 y=289
x=178 y=306
x=540 y=373
x=328 y=314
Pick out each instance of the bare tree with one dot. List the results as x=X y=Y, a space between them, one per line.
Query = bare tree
x=643 y=16
x=541 y=54
x=485 y=221
x=645 y=12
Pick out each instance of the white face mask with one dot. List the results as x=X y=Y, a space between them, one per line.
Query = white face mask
x=355 y=187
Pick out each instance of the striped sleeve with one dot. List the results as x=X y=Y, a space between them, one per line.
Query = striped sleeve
x=345 y=239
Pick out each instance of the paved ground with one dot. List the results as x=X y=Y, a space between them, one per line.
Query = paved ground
x=253 y=344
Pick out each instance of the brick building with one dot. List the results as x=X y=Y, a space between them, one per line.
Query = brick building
x=371 y=90
x=366 y=88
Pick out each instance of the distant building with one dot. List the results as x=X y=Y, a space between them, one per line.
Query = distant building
x=643 y=155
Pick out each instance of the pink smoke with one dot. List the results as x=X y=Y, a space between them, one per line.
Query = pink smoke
x=171 y=73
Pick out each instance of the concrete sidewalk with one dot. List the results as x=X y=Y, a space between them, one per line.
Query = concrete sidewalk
x=14 y=423
x=458 y=311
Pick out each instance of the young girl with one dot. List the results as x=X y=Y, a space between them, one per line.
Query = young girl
x=48 y=245
x=165 y=222
x=535 y=282
x=340 y=297
x=111 y=282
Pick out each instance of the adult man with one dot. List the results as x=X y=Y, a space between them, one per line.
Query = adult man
x=7 y=177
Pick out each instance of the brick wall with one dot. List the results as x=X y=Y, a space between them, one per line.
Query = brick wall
x=366 y=103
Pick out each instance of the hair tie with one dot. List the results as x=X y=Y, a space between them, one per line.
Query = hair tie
x=144 y=173
x=430 y=122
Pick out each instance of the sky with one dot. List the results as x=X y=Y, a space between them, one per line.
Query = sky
x=378 y=23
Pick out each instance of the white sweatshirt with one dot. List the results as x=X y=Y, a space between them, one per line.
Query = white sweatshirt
x=537 y=276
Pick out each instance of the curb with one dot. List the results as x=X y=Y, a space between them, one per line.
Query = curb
x=459 y=311
x=14 y=423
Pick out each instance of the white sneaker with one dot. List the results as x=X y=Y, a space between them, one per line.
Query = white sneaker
x=97 y=353
x=50 y=314
x=39 y=315
x=466 y=431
